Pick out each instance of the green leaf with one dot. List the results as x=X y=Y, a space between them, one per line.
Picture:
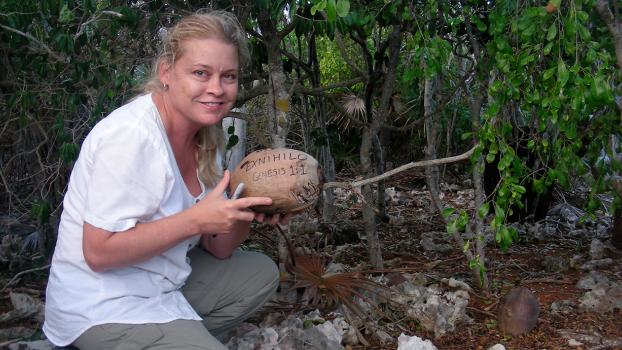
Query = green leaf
x=331 y=10
x=548 y=74
x=478 y=23
x=490 y=157
x=584 y=33
x=319 y=6
x=562 y=73
x=483 y=210
x=452 y=227
x=446 y=213
x=530 y=144
x=69 y=152
x=343 y=7
x=233 y=140
x=462 y=220
x=548 y=47
x=551 y=32
x=466 y=246
x=231 y=130
x=66 y=15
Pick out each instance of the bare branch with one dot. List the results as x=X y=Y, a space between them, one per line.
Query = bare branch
x=288 y=28
x=32 y=38
x=10 y=283
x=95 y=18
x=320 y=90
x=400 y=169
x=342 y=50
x=602 y=6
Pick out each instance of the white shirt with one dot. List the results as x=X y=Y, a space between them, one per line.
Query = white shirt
x=125 y=174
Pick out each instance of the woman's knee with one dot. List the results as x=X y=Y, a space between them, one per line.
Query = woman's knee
x=261 y=267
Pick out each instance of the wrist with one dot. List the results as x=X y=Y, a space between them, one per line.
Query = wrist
x=190 y=223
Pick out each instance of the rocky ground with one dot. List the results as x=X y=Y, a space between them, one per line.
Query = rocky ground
x=424 y=299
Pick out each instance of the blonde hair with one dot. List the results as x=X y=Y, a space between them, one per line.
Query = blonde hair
x=215 y=24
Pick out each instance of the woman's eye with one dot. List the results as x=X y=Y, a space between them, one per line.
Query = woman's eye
x=231 y=76
x=199 y=73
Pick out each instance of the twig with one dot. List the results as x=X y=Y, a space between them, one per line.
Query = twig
x=8 y=342
x=397 y=170
x=290 y=246
x=21 y=274
x=32 y=38
x=483 y=312
x=545 y=280
x=95 y=18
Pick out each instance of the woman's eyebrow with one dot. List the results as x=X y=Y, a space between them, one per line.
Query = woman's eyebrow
x=207 y=66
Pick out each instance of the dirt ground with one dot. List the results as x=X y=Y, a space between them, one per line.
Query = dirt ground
x=520 y=265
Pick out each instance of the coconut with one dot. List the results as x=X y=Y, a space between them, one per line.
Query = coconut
x=291 y=178
x=518 y=311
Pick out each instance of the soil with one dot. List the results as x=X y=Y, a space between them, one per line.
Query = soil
x=520 y=265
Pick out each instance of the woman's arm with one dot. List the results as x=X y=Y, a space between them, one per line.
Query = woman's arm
x=215 y=214
x=105 y=250
x=222 y=246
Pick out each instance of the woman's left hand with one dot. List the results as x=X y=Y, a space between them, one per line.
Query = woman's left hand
x=282 y=219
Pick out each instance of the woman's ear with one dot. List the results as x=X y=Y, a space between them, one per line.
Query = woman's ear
x=164 y=72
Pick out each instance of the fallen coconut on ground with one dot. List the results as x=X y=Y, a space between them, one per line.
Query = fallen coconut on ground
x=290 y=177
x=518 y=312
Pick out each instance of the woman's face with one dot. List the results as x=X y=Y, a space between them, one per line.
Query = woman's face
x=203 y=82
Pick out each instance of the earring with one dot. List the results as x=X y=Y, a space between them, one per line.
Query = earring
x=165 y=86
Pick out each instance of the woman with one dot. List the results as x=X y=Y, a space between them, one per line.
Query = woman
x=144 y=191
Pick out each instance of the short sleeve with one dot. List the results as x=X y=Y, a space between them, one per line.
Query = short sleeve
x=128 y=179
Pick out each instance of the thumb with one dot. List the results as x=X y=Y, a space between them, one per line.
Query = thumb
x=221 y=187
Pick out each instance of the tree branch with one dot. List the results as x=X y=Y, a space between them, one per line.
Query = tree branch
x=342 y=50
x=287 y=29
x=320 y=90
x=32 y=38
x=602 y=6
x=400 y=169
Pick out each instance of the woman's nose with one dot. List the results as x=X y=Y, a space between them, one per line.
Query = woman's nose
x=214 y=85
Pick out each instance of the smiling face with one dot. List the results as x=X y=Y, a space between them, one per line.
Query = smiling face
x=203 y=82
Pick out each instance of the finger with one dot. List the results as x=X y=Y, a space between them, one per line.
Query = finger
x=275 y=219
x=247 y=216
x=221 y=187
x=260 y=217
x=285 y=219
x=248 y=202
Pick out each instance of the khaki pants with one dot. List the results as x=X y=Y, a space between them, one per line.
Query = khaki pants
x=223 y=292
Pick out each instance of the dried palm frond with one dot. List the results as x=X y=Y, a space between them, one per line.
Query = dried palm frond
x=354 y=106
x=326 y=290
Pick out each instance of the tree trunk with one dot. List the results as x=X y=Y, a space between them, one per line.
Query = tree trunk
x=325 y=155
x=614 y=27
x=615 y=30
x=278 y=95
x=278 y=102
x=374 y=248
x=616 y=234
x=431 y=128
x=476 y=103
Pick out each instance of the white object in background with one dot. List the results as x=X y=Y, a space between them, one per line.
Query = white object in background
x=235 y=155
